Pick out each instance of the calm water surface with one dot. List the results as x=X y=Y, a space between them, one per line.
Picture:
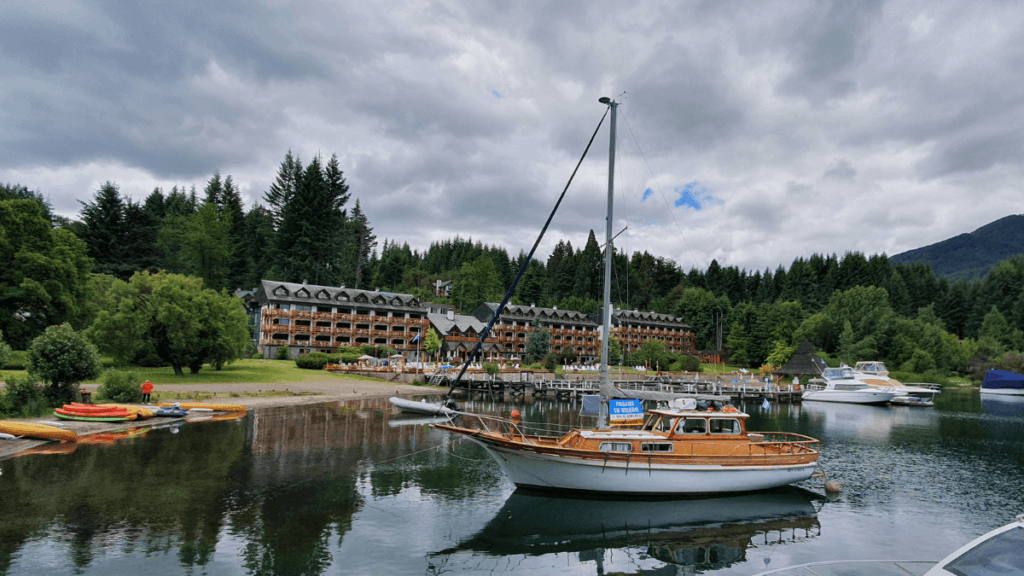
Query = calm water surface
x=351 y=489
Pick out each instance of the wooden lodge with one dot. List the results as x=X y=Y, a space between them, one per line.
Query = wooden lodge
x=309 y=318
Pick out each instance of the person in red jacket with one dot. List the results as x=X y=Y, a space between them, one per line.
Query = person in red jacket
x=147 y=388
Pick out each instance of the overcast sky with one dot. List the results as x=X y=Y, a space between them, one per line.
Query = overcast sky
x=749 y=132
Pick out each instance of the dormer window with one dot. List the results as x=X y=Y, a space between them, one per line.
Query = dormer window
x=280 y=291
x=323 y=295
x=302 y=293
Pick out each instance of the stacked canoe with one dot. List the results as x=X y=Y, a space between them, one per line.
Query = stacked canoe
x=94 y=413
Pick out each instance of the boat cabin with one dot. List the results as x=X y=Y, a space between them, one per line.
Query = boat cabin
x=689 y=424
x=873 y=368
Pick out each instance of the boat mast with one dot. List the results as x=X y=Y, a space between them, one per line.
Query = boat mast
x=604 y=381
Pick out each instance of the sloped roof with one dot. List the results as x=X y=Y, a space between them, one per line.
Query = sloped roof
x=461 y=323
x=804 y=361
x=272 y=290
x=519 y=312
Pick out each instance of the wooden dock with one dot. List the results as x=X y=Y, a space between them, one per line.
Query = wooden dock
x=576 y=386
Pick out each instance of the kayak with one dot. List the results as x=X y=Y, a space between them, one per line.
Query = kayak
x=210 y=405
x=64 y=415
x=96 y=411
x=139 y=411
x=36 y=431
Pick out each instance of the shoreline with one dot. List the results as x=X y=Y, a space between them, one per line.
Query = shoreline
x=316 y=392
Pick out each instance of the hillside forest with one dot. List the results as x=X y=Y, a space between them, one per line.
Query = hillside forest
x=309 y=229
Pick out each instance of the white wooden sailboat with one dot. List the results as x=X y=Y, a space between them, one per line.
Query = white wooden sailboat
x=677 y=451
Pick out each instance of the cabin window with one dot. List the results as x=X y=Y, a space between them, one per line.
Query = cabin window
x=725 y=426
x=616 y=447
x=658 y=447
x=692 y=426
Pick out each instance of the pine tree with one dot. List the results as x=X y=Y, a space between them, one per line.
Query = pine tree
x=362 y=245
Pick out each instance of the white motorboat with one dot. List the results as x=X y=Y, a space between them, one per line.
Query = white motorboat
x=681 y=450
x=1000 y=551
x=1002 y=383
x=841 y=385
x=875 y=374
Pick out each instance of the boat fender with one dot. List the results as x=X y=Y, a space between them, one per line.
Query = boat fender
x=702 y=406
x=716 y=404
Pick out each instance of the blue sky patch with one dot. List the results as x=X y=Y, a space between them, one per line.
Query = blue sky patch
x=496 y=94
x=695 y=196
x=647 y=194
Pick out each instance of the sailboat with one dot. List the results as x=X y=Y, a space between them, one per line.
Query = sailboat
x=685 y=448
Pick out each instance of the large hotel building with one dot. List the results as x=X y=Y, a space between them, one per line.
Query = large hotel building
x=310 y=318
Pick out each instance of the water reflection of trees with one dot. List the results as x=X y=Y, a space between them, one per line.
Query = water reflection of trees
x=163 y=483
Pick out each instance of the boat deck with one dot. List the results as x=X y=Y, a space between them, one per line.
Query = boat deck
x=855 y=568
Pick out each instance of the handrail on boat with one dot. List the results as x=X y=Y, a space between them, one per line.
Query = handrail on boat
x=785 y=442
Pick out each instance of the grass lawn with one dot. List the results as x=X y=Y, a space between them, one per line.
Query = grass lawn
x=254 y=371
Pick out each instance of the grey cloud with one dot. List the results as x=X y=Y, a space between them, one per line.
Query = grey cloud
x=828 y=44
x=840 y=170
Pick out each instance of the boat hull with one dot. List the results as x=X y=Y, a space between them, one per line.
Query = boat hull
x=552 y=472
x=413 y=407
x=849 y=397
x=1002 y=392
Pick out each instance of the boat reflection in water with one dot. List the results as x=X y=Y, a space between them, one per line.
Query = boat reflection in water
x=1002 y=405
x=700 y=534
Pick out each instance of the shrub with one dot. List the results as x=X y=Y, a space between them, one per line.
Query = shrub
x=551 y=361
x=686 y=363
x=62 y=358
x=491 y=368
x=5 y=351
x=282 y=353
x=24 y=396
x=120 y=386
x=348 y=357
x=313 y=361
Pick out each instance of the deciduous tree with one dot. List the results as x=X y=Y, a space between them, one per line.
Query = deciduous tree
x=173 y=315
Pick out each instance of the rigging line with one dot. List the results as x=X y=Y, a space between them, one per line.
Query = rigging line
x=662 y=193
x=526 y=263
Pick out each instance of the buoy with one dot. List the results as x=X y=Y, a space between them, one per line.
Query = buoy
x=832 y=486
x=515 y=413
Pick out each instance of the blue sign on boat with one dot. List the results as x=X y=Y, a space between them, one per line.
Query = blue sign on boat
x=625 y=411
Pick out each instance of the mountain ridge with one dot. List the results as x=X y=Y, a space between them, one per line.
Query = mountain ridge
x=972 y=254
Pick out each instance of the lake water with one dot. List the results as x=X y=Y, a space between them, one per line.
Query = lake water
x=352 y=489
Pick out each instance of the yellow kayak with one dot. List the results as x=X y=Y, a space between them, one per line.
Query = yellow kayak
x=139 y=411
x=37 y=431
x=208 y=405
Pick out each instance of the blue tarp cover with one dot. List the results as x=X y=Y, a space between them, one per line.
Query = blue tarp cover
x=997 y=379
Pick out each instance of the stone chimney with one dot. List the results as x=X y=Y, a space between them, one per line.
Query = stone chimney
x=451 y=315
